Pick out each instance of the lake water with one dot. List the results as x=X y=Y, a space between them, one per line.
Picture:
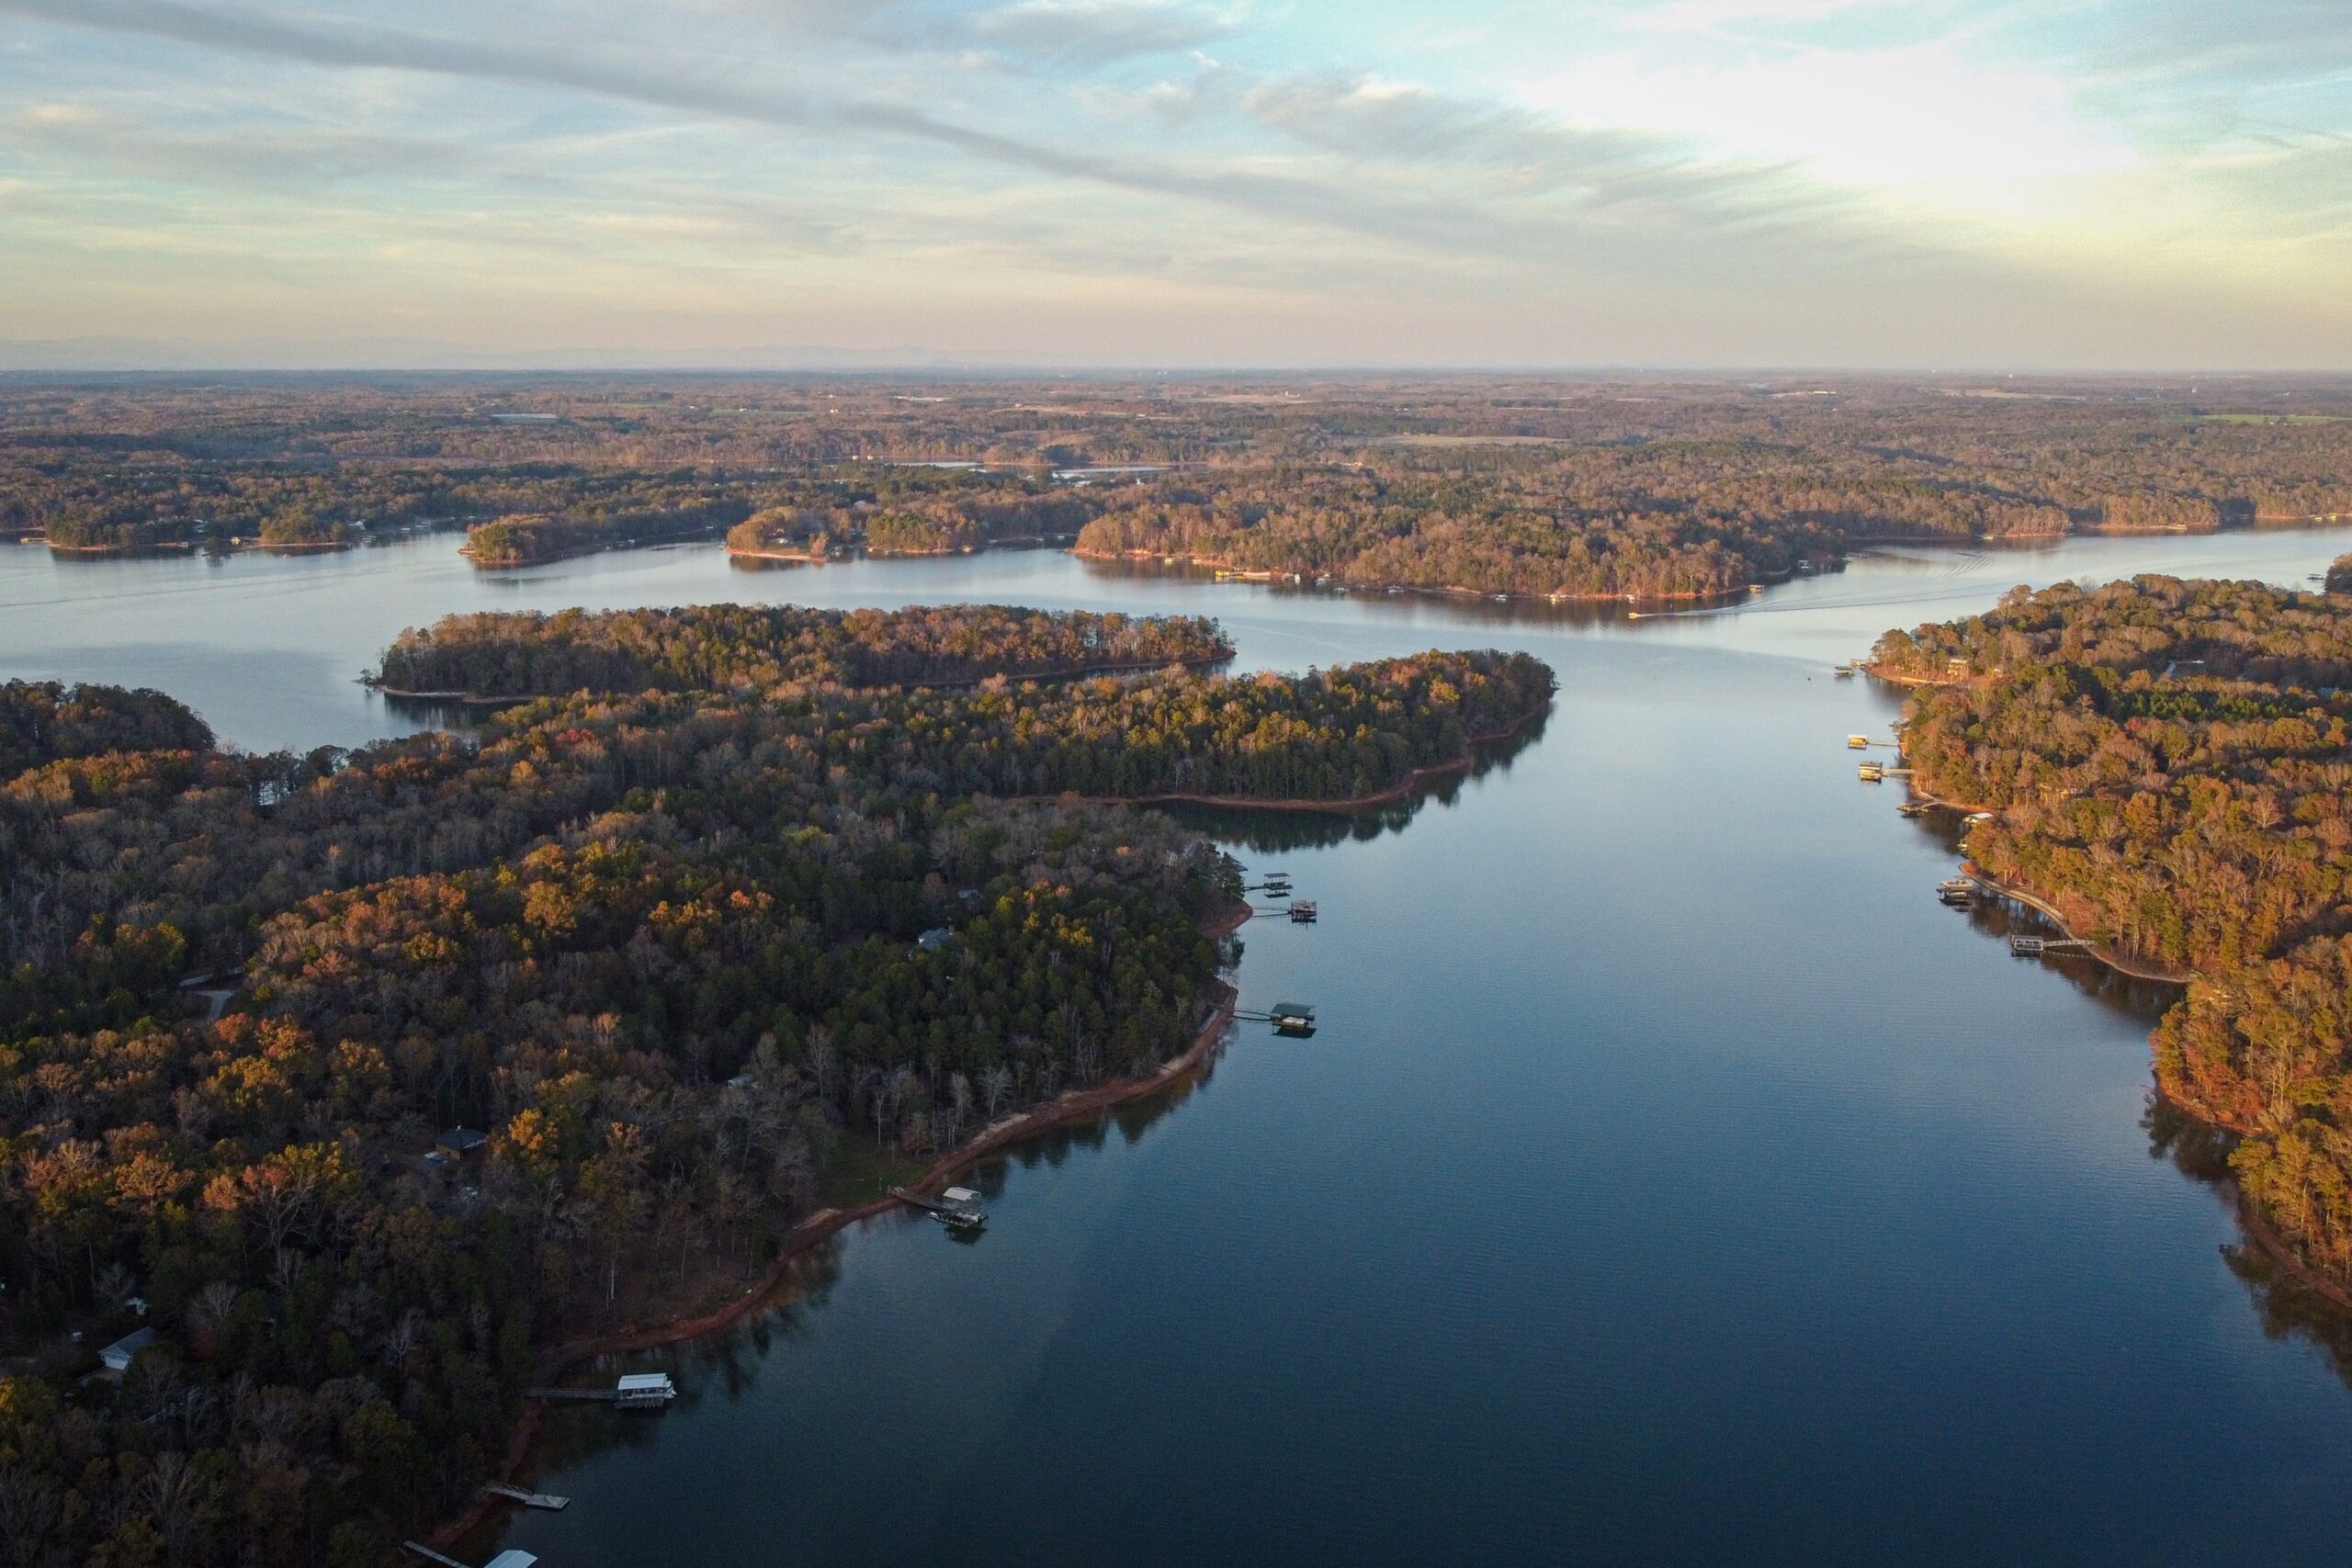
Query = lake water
x=1673 y=1180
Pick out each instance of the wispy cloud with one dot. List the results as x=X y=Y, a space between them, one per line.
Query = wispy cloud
x=1346 y=115
x=1095 y=32
x=1620 y=171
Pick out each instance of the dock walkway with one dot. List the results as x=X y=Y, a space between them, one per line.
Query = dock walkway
x=631 y=1400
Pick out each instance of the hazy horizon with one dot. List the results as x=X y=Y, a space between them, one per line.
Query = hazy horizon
x=2128 y=186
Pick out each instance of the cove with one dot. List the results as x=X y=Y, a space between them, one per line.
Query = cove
x=1672 y=1179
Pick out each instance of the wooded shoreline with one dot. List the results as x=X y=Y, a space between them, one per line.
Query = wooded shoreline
x=1404 y=789
x=1073 y=1106
x=1084 y=672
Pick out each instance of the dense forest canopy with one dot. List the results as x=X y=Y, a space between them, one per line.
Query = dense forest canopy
x=710 y=647
x=41 y=722
x=2170 y=764
x=658 y=945
x=1573 y=486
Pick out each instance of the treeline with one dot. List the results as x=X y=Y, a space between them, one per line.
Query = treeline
x=913 y=510
x=42 y=721
x=711 y=646
x=1645 y=486
x=2171 y=764
x=1649 y=520
x=1717 y=510
x=660 y=948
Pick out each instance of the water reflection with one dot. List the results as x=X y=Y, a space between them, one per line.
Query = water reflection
x=1469 y=609
x=1661 y=1120
x=725 y=1368
x=1274 y=832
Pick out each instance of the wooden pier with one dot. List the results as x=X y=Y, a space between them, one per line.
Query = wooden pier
x=619 y=1398
x=2035 y=946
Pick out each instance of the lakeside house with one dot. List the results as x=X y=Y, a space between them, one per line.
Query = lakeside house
x=118 y=1356
x=460 y=1144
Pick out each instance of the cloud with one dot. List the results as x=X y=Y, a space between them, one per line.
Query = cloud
x=1097 y=32
x=252 y=157
x=1874 y=117
x=1436 y=219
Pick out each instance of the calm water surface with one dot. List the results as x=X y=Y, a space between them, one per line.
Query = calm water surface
x=1673 y=1180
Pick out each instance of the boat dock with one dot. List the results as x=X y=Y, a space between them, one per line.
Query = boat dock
x=959 y=1208
x=1302 y=911
x=639 y=1390
x=510 y=1557
x=2035 y=946
x=1295 y=1019
x=528 y=1499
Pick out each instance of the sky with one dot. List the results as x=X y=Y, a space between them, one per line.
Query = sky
x=1160 y=184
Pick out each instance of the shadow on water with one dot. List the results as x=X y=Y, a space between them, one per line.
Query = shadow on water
x=1493 y=609
x=723 y=1365
x=2286 y=1308
x=437 y=713
x=1998 y=920
x=1273 y=832
x=718 y=1366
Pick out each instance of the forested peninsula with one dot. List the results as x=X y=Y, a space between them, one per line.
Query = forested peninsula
x=2169 y=766
x=658 y=945
x=710 y=647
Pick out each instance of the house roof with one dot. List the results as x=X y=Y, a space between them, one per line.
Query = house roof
x=462 y=1138
x=130 y=1344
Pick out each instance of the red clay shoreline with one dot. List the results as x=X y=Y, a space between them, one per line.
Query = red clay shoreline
x=1076 y=1105
x=2280 y=1250
x=1270 y=574
x=2258 y=1230
x=2032 y=900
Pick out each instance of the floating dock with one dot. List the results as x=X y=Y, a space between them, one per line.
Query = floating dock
x=528 y=1499
x=640 y=1390
x=510 y=1557
x=1302 y=911
x=959 y=1208
x=1292 y=1018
